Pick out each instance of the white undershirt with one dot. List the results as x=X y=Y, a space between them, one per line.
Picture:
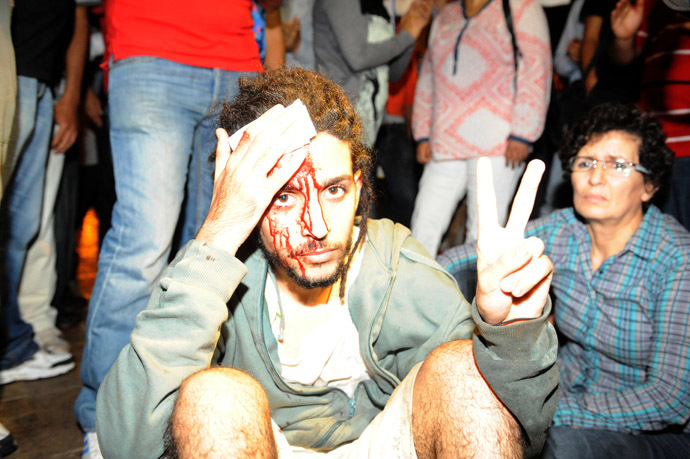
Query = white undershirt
x=329 y=354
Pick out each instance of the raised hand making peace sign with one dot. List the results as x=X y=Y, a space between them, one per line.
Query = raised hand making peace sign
x=514 y=275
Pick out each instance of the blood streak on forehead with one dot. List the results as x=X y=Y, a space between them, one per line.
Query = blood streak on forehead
x=305 y=175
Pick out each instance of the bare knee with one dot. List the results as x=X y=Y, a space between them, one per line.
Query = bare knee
x=455 y=412
x=222 y=412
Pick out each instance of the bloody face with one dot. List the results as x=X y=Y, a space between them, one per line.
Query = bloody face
x=306 y=232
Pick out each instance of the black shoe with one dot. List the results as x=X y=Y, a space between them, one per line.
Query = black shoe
x=72 y=304
x=7 y=444
x=68 y=319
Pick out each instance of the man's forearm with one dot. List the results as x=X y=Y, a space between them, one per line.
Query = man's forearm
x=622 y=51
x=519 y=363
x=175 y=336
x=76 y=56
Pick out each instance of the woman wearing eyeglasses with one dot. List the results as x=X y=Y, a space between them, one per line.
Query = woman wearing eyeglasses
x=620 y=292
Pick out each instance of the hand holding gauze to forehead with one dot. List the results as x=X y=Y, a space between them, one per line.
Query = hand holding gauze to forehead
x=302 y=133
x=267 y=153
x=513 y=273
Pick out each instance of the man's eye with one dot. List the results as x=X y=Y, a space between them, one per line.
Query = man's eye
x=335 y=191
x=284 y=199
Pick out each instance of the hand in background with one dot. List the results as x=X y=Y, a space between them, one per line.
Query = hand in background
x=423 y=152
x=574 y=49
x=626 y=19
x=93 y=108
x=68 y=123
x=516 y=153
x=292 y=34
x=417 y=17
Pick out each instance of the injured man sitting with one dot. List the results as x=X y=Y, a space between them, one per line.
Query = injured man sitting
x=295 y=326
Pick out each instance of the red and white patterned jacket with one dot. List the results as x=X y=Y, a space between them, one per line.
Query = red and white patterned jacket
x=465 y=102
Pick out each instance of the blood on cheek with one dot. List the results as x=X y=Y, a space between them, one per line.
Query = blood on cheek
x=285 y=230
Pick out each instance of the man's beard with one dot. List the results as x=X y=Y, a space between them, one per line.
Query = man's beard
x=299 y=279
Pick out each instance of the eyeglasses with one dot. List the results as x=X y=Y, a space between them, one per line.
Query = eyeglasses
x=618 y=167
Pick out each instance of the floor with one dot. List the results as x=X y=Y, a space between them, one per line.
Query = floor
x=39 y=413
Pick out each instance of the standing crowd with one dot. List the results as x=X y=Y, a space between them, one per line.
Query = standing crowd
x=255 y=166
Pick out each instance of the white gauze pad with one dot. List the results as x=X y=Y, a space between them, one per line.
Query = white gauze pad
x=304 y=126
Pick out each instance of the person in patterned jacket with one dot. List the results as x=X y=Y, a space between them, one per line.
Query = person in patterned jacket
x=477 y=95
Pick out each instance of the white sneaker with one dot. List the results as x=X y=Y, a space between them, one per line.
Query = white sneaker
x=91 y=449
x=52 y=341
x=42 y=365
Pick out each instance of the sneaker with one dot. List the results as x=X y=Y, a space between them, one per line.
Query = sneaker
x=91 y=449
x=52 y=341
x=42 y=365
x=7 y=443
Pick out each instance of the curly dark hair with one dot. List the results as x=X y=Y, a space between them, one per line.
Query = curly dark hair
x=654 y=154
x=330 y=111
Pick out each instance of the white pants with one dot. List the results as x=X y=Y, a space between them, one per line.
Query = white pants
x=444 y=184
x=39 y=277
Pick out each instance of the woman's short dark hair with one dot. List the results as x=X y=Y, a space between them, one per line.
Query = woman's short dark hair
x=653 y=152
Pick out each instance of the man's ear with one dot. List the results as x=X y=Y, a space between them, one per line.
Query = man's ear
x=358 y=185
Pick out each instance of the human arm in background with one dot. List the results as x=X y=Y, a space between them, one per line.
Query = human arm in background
x=66 y=116
x=533 y=79
x=575 y=50
x=414 y=21
x=422 y=106
x=350 y=26
x=590 y=43
x=275 y=46
x=626 y=20
x=270 y=6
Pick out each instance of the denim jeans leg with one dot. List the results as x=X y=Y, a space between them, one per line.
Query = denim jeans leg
x=21 y=210
x=564 y=442
x=201 y=170
x=155 y=106
x=200 y=178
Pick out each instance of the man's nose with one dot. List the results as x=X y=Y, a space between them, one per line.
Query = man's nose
x=315 y=224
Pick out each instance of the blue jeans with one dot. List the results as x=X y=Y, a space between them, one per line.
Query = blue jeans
x=163 y=116
x=21 y=210
x=678 y=202
x=565 y=442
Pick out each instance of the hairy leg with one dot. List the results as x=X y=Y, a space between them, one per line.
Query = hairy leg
x=454 y=411
x=222 y=412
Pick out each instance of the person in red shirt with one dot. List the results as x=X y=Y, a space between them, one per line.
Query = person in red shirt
x=172 y=63
x=657 y=33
